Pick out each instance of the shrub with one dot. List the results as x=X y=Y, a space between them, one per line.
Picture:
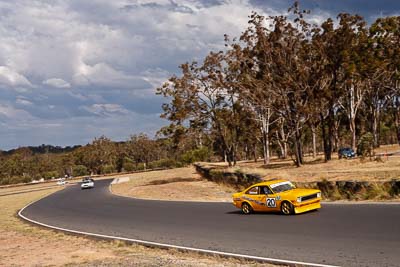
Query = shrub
x=201 y=154
x=365 y=145
x=79 y=170
x=216 y=175
x=140 y=167
x=50 y=174
x=164 y=163
x=128 y=166
x=109 y=168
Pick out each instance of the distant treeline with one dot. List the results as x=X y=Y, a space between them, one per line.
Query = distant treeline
x=101 y=156
x=42 y=149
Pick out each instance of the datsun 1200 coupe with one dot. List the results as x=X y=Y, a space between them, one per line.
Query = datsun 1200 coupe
x=277 y=195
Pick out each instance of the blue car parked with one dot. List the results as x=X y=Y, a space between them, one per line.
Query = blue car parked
x=346 y=152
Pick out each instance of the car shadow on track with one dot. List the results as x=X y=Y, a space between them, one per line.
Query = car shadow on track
x=238 y=212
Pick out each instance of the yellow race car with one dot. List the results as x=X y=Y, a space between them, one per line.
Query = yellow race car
x=277 y=195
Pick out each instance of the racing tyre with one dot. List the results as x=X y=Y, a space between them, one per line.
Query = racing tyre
x=246 y=208
x=287 y=208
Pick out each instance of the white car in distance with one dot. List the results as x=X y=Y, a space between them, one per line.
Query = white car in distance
x=61 y=181
x=87 y=183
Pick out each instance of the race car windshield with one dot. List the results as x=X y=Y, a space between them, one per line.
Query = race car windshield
x=281 y=187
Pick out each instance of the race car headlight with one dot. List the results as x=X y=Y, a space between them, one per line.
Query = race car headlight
x=319 y=194
x=298 y=199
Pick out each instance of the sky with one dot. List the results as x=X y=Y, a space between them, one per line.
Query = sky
x=73 y=70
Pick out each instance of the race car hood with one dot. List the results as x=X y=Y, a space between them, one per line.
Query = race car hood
x=298 y=192
x=237 y=195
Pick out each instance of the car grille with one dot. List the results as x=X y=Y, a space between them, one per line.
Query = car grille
x=305 y=198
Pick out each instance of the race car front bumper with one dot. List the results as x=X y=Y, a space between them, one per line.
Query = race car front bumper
x=307 y=207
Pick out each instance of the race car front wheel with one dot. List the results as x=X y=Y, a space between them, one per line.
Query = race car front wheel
x=287 y=208
x=246 y=208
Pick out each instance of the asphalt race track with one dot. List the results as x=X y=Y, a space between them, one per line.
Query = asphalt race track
x=337 y=234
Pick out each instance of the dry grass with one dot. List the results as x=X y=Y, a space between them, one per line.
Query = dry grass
x=335 y=170
x=169 y=184
x=25 y=245
x=28 y=187
x=175 y=184
x=387 y=149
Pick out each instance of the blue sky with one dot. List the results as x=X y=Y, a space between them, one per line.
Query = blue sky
x=74 y=70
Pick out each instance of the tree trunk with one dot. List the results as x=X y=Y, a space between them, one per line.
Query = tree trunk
x=353 y=133
x=255 y=152
x=314 y=140
x=375 y=125
x=397 y=122
x=265 y=123
x=266 y=151
x=280 y=145
x=336 y=125
x=355 y=98
x=234 y=159
x=265 y=141
x=325 y=139
x=282 y=139
x=285 y=150
x=229 y=158
x=297 y=147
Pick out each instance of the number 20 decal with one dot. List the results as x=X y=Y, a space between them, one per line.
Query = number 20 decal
x=271 y=202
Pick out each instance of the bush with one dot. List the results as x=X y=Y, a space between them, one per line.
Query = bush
x=128 y=166
x=79 y=170
x=165 y=163
x=365 y=145
x=140 y=167
x=109 y=168
x=201 y=154
x=50 y=174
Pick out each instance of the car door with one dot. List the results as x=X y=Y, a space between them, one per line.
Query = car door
x=270 y=200
x=254 y=198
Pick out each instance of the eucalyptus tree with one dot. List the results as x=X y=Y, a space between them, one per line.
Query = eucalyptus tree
x=324 y=98
x=377 y=73
x=340 y=50
x=99 y=153
x=206 y=95
x=352 y=46
x=254 y=77
x=389 y=29
x=291 y=75
x=141 y=149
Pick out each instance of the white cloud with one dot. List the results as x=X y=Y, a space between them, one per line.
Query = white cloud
x=58 y=83
x=104 y=75
x=9 y=113
x=12 y=78
x=106 y=109
x=23 y=101
x=106 y=43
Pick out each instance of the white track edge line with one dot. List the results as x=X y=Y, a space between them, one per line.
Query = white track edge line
x=163 y=245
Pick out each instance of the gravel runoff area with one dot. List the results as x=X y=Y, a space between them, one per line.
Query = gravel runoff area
x=181 y=184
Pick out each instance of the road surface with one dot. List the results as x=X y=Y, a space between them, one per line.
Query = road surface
x=337 y=234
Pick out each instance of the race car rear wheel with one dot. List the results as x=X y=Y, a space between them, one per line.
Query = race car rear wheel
x=287 y=208
x=246 y=208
